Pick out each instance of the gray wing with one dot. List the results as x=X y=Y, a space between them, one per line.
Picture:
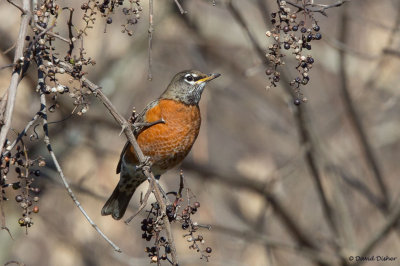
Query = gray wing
x=137 y=130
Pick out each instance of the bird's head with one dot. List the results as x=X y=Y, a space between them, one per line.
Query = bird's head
x=187 y=86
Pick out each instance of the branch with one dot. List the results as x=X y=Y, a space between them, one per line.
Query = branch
x=251 y=236
x=15 y=78
x=22 y=134
x=305 y=136
x=180 y=7
x=261 y=188
x=317 y=8
x=392 y=221
x=150 y=32
x=354 y=117
x=126 y=127
x=61 y=174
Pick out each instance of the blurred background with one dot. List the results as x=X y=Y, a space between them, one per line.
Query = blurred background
x=257 y=158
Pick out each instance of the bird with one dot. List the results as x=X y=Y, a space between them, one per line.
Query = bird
x=173 y=124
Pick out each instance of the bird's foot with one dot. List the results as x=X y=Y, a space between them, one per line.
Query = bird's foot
x=143 y=164
x=148 y=124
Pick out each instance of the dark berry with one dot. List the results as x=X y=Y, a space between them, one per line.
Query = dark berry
x=303 y=30
x=286 y=29
x=162 y=239
x=18 y=198
x=27 y=38
x=149 y=237
x=308 y=46
x=273 y=15
x=309 y=37
x=16 y=185
x=167 y=249
x=144 y=235
x=144 y=227
x=208 y=250
x=301 y=23
x=153 y=249
x=303 y=64
x=286 y=46
x=297 y=102
x=298 y=80
x=316 y=28
x=304 y=81
x=37 y=173
x=273 y=21
x=185 y=226
x=295 y=28
x=109 y=20
x=318 y=36
x=310 y=60
x=197 y=204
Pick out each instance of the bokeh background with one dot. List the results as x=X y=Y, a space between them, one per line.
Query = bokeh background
x=248 y=134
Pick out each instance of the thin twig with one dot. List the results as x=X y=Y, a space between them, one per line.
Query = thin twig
x=180 y=7
x=6 y=66
x=15 y=78
x=22 y=134
x=251 y=236
x=151 y=29
x=391 y=222
x=142 y=204
x=54 y=34
x=61 y=174
x=317 y=8
x=22 y=9
x=354 y=117
x=9 y=49
x=391 y=52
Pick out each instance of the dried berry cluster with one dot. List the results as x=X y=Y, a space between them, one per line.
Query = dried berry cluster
x=107 y=8
x=152 y=226
x=296 y=36
x=21 y=182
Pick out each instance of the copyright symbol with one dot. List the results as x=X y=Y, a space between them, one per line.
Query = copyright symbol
x=351 y=258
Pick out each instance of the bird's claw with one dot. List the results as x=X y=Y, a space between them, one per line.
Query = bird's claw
x=143 y=164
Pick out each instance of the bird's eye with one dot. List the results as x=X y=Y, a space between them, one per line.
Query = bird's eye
x=189 y=78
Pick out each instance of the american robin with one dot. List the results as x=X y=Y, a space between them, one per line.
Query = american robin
x=166 y=143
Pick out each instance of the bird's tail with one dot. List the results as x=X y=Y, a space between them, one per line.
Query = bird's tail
x=118 y=202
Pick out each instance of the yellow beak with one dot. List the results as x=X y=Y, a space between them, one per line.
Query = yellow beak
x=208 y=78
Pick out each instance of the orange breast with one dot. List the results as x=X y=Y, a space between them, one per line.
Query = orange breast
x=168 y=144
